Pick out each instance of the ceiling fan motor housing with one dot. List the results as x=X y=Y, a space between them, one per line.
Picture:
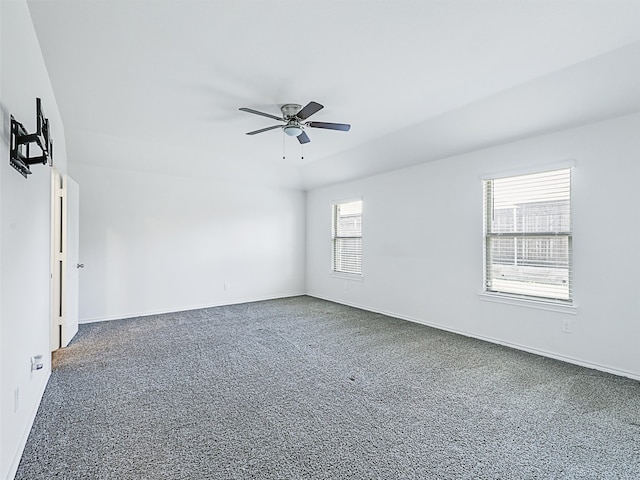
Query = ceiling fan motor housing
x=290 y=110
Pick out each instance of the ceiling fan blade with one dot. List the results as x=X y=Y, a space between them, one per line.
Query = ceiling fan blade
x=309 y=109
x=303 y=138
x=331 y=126
x=256 y=112
x=264 y=129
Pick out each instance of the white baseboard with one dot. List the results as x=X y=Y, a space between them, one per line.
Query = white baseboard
x=517 y=346
x=185 y=308
x=25 y=435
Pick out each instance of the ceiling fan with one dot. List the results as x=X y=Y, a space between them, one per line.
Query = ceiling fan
x=294 y=118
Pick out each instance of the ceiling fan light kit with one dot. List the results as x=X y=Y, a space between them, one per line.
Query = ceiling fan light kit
x=294 y=118
x=293 y=130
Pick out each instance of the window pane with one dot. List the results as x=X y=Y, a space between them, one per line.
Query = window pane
x=532 y=203
x=349 y=219
x=348 y=255
x=530 y=266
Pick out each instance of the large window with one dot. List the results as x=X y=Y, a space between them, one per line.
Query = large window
x=346 y=235
x=527 y=237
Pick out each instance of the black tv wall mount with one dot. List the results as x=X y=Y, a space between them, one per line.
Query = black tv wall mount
x=22 y=143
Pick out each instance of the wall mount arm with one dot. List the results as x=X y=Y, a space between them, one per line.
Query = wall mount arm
x=20 y=153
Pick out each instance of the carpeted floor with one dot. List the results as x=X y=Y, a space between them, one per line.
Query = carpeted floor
x=301 y=388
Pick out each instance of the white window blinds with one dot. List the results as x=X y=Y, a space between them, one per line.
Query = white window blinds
x=347 y=237
x=527 y=236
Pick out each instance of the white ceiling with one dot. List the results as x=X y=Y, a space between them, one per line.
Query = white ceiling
x=418 y=80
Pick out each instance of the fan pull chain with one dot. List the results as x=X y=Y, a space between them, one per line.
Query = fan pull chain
x=302 y=151
x=283 y=151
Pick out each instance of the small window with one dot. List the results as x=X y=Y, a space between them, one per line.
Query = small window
x=346 y=236
x=527 y=237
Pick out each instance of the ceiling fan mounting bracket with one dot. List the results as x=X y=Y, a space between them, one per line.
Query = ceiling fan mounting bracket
x=290 y=110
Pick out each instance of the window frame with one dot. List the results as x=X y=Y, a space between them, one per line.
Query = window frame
x=334 y=237
x=528 y=299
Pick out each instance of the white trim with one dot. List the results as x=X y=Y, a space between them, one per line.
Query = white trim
x=357 y=277
x=539 y=168
x=517 y=346
x=347 y=200
x=529 y=302
x=184 y=309
x=15 y=463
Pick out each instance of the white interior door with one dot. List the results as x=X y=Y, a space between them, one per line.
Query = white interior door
x=57 y=259
x=65 y=210
x=70 y=323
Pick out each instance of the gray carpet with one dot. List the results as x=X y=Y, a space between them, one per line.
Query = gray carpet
x=303 y=388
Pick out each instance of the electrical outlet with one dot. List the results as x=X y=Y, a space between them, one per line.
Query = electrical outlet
x=225 y=286
x=37 y=363
x=566 y=326
x=16 y=399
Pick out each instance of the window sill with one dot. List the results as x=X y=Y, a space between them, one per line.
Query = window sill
x=347 y=276
x=529 y=303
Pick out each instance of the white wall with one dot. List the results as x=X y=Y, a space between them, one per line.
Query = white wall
x=24 y=233
x=422 y=246
x=156 y=243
